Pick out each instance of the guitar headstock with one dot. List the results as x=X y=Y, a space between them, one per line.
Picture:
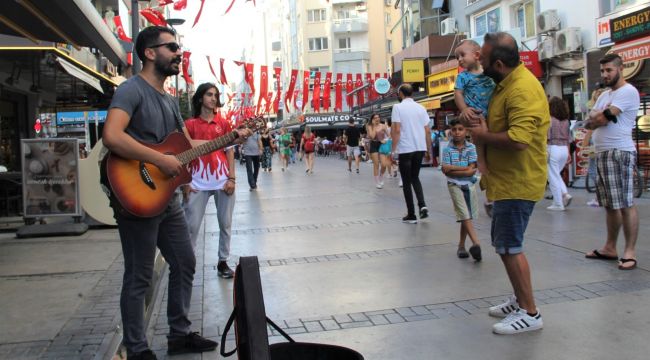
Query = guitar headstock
x=254 y=124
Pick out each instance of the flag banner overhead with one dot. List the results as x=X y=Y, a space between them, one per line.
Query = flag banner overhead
x=338 y=106
x=305 y=89
x=327 y=89
x=316 y=93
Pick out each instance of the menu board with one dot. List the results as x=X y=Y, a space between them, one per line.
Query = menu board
x=50 y=172
x=582 y=154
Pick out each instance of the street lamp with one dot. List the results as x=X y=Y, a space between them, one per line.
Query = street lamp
x=171 y=23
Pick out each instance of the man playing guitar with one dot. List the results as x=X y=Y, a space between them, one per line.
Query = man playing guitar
x=141 y=111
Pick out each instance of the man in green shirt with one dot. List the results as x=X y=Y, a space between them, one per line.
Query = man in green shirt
x=518 y=120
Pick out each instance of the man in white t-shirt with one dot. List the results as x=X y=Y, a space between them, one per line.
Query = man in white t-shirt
x=411 y=140
x=613 y=118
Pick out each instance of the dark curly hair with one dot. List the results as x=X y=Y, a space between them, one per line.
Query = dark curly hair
x=198 y=97
x=559 y=108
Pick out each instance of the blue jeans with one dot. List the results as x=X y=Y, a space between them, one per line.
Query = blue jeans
x=509 y=222
x=140 y=237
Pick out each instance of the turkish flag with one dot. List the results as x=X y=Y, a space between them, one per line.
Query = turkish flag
x=210 y=65
x=198 y=15
x=278 y=86
x=349 y=87
x=269 y=101
x=359 y=83
x=292 y=85
x=180 y=5
x=295 y=101
x=264 y=85
x=371 y=87
x=186 y=67
x=305 y=89
x=120 y=29
x=327 y=89
x=224 y=81
x=154 y=16
x=164 y=2
x=339 y=92
x=250 y=78
x=316 y=95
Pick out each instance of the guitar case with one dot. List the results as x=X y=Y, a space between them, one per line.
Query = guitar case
x=249 y=317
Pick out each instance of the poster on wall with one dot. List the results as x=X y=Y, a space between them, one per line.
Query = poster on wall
x=50 y=172
x=582 y=153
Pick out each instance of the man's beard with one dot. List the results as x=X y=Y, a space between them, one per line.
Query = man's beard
x=613 y=81
x=165 y=67
x=491 y=72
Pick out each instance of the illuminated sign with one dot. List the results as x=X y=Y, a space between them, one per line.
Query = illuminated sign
x=630 y=26
x=413 y=70
x=442 y=82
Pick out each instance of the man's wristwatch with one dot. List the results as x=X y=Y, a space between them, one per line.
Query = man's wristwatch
x=609 y=116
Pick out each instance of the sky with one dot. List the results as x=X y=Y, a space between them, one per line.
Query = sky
x=220 y=36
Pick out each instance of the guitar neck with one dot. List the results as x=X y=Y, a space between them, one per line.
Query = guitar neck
x=186 y=156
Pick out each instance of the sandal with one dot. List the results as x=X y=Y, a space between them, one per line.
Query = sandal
x=475 y=251
x=624 y=261
x=597 y=255
x=462 y=253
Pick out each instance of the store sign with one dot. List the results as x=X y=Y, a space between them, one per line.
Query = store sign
x=441 y=82
x=331 y=118
x=50 y=172
x=630 y=26
x=79 y=117
x=531 y=61
x=413 y=70
x=636 y=50
x=603 y=35
x=431 y=104
x=382 y=85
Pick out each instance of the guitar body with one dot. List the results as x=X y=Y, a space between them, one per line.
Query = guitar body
x=141 y=188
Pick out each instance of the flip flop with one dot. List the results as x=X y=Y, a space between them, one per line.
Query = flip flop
x=597 y=255
x=623 y=261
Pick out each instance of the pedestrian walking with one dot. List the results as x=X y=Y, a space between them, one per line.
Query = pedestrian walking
x=308 y=145
x=141 y=111
x=459 y=165
x=377 y=134
x=412 y=141
x=267 y=154
x=518 y=120
x=284 y=140
x=613 y=119
x=252 y=149
x=558 y=153
x=352 y=135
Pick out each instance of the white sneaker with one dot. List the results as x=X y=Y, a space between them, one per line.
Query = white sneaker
x=400 y=183
x=555 y=208
x=518 y=322
x=504 y=309
x=379 y=186
x=593 y=202
x=566 y=199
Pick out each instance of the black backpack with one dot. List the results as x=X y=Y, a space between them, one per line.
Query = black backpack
x=249 y=317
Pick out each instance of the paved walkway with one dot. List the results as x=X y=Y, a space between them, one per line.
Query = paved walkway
x=339 y=267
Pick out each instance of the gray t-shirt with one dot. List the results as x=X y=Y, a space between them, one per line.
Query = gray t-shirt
x=153 y=115
x=251 y=146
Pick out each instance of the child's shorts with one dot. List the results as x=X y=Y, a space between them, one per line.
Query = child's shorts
x=465 y=201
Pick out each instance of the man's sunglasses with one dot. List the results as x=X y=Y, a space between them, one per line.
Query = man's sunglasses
x=172 y=46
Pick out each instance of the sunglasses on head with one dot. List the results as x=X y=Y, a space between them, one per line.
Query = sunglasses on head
x=172 y=46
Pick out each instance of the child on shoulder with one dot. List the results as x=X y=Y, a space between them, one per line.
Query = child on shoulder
x=472 y=93
x=459 y=165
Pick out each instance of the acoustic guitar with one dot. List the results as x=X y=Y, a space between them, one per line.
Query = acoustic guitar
x=141 y=189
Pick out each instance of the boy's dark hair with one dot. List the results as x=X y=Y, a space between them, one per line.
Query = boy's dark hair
x=406 y=89
x=558 y=108
x=504 y=48
x=148 y=37
x=197 y=99
x=454 y=122
x=611 y=58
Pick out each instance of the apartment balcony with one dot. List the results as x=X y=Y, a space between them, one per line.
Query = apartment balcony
x=351 y=54
x=350 y=25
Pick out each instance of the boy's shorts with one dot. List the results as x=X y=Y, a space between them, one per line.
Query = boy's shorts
x=509 y=222
x=353 y=151
x=465 y=201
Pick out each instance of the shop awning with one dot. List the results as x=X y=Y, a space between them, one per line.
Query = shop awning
x=74 y=22
x=80 y=74
x=435 y=102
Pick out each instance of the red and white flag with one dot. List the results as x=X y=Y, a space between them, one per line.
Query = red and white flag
x=278 y=92
x=223 y=79
x=359 y=83
x=290 y=91
x=120 y=29
x=249 y=77
x=305 y=89
x=338 y=106
x=371 y=87
x=180 y=5
x=316 y=95
x=154 y=16
x=186 y=67
x=210 y=65
x=327 y=89
x=349 y=87
x=264 y=86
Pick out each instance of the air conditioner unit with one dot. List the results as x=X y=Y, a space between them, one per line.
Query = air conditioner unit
x=448 y=26
x=547 y=48
x=568 y=40
x=547 y=21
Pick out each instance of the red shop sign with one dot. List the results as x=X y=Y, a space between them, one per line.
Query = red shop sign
x=531 y=61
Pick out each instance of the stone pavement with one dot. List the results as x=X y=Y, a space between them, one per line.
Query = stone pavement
x=339 y=267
